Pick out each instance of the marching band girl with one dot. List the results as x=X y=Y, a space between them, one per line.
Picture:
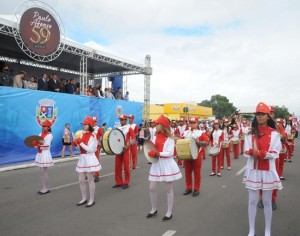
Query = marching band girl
x=194 y=166
x=43 y=158
x=236 y=133
x=226 y=145
x=216 y=138
x=165 y=169
x=262 y=147
x=88 y=163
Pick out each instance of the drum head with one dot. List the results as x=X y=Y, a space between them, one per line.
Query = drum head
x=116 y=141
x=213 y=151
x=29 y=139
x=194 y=149
x=148 y=145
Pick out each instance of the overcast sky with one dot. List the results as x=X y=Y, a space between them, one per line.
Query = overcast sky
x=246 y=50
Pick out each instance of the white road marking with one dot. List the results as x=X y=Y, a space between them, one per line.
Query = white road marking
x=169 y=233
x=75 y=183
x=240 y=171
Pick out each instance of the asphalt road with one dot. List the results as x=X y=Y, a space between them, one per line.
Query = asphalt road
x=220 y=210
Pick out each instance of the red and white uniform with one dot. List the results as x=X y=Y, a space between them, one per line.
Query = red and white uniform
x=244 y=131
x=261 y=172
x=290 y=130
x=152 y=131
x=236 y=133
x=217 y=139
x=122 y=160
x=43 y=157
x=99 y=133
x=194 y=166
x=226 y=150
x=88 y=161
x=133 y=147
x=165 y=169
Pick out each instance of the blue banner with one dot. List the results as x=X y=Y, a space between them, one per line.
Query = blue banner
x=22 y=111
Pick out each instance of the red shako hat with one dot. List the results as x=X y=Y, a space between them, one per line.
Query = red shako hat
x=163 y=120
x=123 y=117
x=46 y=123
x=88 y=121
x=262 y=108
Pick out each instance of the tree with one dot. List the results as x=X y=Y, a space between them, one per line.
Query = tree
x=281 y=112
x=220 y=105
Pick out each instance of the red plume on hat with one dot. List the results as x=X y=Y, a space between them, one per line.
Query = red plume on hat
x=163 y=120
x=46 y=123
x=88 y=121
x=95 y=118
x=262 y=108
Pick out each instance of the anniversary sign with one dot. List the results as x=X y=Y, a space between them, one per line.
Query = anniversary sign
x=39 y=31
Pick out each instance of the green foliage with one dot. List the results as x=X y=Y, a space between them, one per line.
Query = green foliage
x=281 y=112
x=220 y=105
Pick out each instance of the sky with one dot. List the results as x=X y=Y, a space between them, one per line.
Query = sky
x=245 y=50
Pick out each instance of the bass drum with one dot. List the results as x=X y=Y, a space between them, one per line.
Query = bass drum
x=187 y=149
x=113 y=142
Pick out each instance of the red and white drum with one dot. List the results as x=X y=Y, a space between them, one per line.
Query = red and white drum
x=113 y=142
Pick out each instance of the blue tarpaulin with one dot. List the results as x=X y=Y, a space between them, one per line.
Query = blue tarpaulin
x=22 y=111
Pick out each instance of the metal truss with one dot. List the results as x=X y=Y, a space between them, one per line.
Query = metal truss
x=83 y=80
x=148 y=70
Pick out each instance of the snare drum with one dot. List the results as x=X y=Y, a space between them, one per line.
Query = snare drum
x=290 y=137
x=187 y=149
x=113 y=142
x=213 y=151
x=243 y=137
x=235 y=140
x=283 y=150
x=225 y=144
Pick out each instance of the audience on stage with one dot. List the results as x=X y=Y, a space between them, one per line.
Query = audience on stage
x=51 y=83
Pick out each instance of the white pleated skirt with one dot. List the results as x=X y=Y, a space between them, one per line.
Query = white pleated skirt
x=43 y=159
x=165 y=169
x=261 y=179
x=88 y=163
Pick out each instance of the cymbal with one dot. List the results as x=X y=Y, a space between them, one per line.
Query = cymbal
x=77 y=134
x=148 y=145
x=29 y=139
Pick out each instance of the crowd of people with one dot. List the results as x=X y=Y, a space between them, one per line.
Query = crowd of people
x=53 y=84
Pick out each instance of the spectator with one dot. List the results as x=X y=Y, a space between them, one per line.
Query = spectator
x=141 y=137
x=126 y=97
x=110 y=94
x=66 y=140
x=5 y=78
x=71 y=87
x=18 y=79
x=97 y=91
x=53 y=84
x=106 y=92
x=104 y=127
x=43 y=83
x=89 y=91
x=31 y=84
x=62 y=86
x=119 y=94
